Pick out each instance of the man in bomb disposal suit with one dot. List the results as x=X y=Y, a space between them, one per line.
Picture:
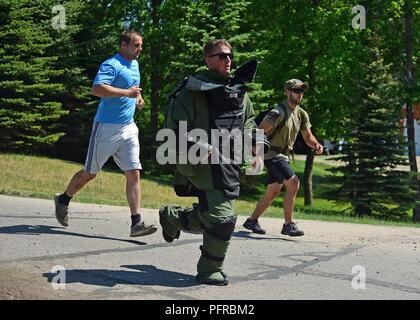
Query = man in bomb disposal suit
x=213 y=101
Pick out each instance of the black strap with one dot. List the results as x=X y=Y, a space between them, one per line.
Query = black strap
x=180 y=86
x=210 y=256
x=203 y=204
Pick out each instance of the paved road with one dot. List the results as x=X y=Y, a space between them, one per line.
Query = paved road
x=102 y=262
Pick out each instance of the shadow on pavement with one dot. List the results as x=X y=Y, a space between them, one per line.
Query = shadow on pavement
x=39 y=229
x=251 y=235
x=147 y=275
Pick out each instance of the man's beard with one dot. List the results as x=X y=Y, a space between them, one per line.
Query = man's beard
x=294 y=100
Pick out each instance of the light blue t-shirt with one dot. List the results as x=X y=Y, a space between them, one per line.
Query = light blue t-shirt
x=123 y=74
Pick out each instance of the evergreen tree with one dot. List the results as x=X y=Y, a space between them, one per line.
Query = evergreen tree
x=30 y=106
x=373 y=180
x=48 y=72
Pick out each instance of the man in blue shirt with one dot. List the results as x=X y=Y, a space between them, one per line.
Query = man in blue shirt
x=114 y=132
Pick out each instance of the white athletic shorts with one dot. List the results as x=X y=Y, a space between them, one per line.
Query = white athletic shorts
x=120 y=141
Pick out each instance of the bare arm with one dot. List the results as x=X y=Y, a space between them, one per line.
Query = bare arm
x=312 y=141
x=271 y=119
x=107 y=91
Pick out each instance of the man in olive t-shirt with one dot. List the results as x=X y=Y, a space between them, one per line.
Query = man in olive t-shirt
x=282 y=125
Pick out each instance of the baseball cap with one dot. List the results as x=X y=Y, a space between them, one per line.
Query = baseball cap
x=295 y=84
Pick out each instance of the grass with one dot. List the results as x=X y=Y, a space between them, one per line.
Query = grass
x=40 y=177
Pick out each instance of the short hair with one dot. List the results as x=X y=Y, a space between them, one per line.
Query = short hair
x=126 y=36
x=210 y=45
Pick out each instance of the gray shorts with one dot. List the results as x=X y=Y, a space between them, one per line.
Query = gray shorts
x=121 y=141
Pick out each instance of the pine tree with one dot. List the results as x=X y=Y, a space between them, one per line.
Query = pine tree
x=373 y=180
x=30 y=106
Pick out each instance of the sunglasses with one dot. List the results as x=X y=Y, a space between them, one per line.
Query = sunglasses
x=223 y=56
x=298 y=90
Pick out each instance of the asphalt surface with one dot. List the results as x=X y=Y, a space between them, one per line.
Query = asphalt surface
x=331 y=261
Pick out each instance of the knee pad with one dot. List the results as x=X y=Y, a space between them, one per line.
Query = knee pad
x=223 y=230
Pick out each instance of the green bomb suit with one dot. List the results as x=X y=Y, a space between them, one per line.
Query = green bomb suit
x=209 y=101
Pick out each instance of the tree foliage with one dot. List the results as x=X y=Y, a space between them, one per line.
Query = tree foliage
x=373 y=180
x=30 y=84
x=46 y=74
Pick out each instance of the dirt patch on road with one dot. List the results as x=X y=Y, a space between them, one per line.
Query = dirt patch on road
x=17 y=283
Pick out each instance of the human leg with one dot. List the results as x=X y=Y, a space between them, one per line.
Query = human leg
x=138 y=227
x=132 y=190
x=292 y=188
x=214 y=217
x=95 y=159
x=174 y=219
x=278 y=171
x=127 y=157
x=218 y=220
x=61 y=201
x=289 y=227
x=267 y=199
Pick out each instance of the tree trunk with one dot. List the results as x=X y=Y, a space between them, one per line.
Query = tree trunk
x=409 y=83
x=307 y=177
x=310 y=155
x=155 y=75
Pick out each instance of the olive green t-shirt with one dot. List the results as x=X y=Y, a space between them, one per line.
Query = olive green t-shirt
x=283 y=138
